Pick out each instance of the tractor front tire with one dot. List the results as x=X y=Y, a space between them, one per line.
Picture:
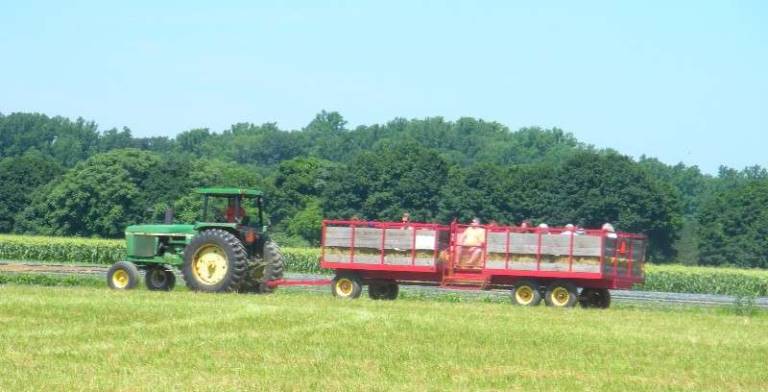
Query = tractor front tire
x=386 y=290
x=158 y=278
x=347 y=286
x=123 y=275
x=214 y=261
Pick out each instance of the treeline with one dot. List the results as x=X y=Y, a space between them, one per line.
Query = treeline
x=64 y=177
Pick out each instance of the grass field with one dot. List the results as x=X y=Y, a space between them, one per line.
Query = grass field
x=68 y=338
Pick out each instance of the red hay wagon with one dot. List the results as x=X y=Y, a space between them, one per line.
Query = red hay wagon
x=559 y=265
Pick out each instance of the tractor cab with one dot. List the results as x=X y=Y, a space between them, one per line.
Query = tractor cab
x=232 y=206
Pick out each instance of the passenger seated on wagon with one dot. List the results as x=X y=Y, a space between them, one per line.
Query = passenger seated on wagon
x=543 y=228
x=406 y=220
x=569 y=229
x=610 y=232
x=473 y=239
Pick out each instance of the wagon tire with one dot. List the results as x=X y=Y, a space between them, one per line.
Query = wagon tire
x=595 y=298
x=158 y=278
x=123 y=275
x=385 y=290
x=347 y=286
x=526 y=293
x=561 y=294
x=214 y=261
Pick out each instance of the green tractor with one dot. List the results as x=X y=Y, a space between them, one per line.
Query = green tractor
x=228 y=250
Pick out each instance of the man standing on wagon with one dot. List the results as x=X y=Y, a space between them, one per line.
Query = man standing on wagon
x=473 y=239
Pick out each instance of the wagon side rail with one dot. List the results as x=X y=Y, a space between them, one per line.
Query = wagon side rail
x=374 y=245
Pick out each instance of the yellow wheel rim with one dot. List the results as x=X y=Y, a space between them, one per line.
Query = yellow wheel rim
x=560 y=296
x=344 y=287
x=524 y=295
x=210 y=264
x=120 y=279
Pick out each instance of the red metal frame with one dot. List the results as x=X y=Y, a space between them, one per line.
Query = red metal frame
x=449 y=272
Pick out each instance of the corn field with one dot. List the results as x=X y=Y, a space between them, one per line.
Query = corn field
x=100 y=251
x=61 y=249
x=670 y=278
x=706 y=280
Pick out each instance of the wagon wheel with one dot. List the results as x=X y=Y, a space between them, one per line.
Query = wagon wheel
x=526 y=293
x=561 y=294
x=346 y=286
x=595 y=298
x=387 y=290
x=123 y=275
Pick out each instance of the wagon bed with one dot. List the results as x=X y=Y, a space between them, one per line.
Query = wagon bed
x=424 y=253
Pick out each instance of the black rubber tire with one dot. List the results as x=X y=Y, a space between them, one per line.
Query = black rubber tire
x=385 y=290
x=526 y=293
x=260 y=271
x=595 y=298
x=274 y=266
x=555 y=295
x=125 y=270
x=347 y=286
x=236 y=261
x=158 y=278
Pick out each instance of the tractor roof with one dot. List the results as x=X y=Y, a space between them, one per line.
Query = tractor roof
x=229 y=192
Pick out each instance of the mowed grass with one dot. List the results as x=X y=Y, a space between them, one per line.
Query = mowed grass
x=80 y=338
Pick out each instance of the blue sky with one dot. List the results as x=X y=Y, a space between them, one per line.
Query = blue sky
x=682 y=81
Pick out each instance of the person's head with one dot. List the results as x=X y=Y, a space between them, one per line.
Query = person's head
x=609 y=228
x=406 y=217
x=475 y=221
x=569 y=227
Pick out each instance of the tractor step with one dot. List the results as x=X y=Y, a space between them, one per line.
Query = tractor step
x=466 y=276
x=465 y=281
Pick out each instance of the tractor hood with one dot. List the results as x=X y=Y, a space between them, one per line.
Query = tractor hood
x=160 y=229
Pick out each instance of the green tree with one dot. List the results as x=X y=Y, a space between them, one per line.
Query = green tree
x=597 y=188
x=383 y=183
x=20 y=179
x=733 y=226
x=99 y=196
x=306 y=223
x=114 y=140
x=68 y=142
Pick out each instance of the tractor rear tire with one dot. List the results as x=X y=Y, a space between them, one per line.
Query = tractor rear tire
x=269 y=267
x=561 y=294
x=347 y=286
x=158 y=278
x=595 y=298
x=274 y=266
x=386 y=290
x=123 y=275
x=526 y=293
x=214 y=261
